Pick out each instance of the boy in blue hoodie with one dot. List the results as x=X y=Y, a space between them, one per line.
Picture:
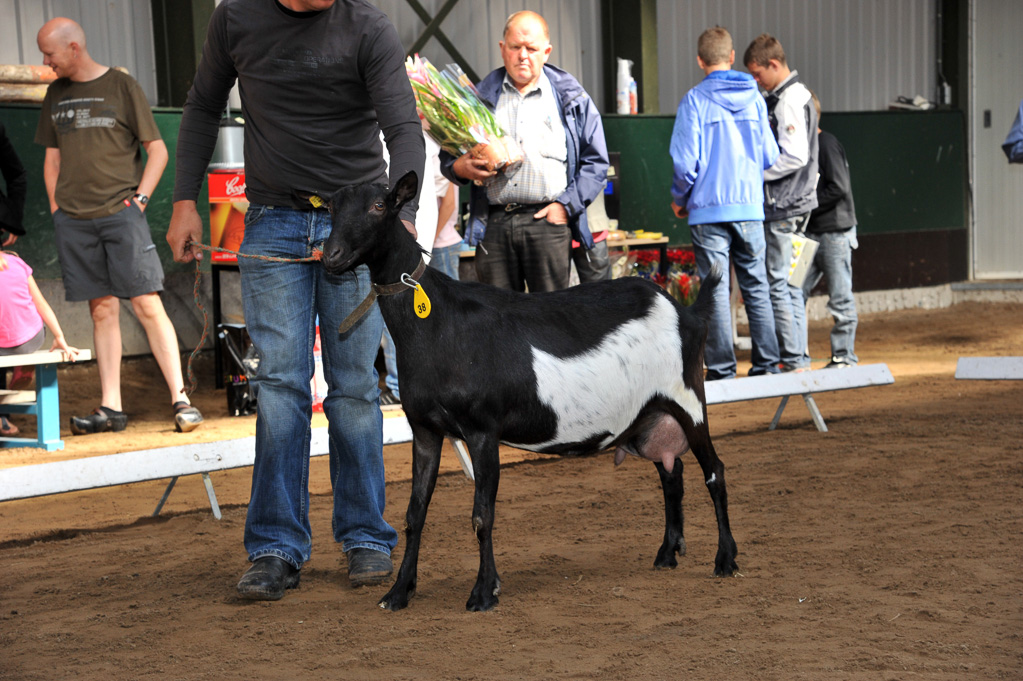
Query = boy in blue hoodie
x=721 y=144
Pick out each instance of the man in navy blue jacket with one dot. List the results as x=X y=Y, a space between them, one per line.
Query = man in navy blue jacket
x=833 y=226
x=720 y=146
x=526 y=217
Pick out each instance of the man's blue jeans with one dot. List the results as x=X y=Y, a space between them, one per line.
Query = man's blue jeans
x=281 y=302
x=834 y=262
x=787 y=300
x=712 y=245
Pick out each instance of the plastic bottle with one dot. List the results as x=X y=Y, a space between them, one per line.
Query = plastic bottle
x=622 y=91
x=633 y=97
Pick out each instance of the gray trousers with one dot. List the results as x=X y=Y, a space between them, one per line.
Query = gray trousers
x=520 y=252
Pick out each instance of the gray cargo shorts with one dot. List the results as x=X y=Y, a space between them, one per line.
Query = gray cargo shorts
x=108 y=256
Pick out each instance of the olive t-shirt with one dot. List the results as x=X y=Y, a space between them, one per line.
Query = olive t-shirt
x=98 y=127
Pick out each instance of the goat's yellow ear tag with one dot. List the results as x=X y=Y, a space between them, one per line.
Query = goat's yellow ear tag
x=421 y=302
x=316 y=201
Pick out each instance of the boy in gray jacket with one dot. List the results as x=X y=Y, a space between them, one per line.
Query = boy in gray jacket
x=789 y=189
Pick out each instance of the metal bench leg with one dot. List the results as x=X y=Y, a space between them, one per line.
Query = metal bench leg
x=48 y=408
x=463 y=457
x=212 y=495
x=815 y=413
x=777 y=414
x=166 y=493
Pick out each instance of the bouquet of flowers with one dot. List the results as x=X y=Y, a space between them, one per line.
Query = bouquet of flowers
x=458 y=120
x=645 y=263
x=682 y=281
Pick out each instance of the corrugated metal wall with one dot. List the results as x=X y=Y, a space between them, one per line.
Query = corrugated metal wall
x=118 y=33
x=858 y=55
x=475 y=27
x=997 y=186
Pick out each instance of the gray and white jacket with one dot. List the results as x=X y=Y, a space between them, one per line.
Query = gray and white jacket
x=790 y=185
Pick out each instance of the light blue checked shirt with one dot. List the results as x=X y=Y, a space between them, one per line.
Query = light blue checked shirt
x=534 y=121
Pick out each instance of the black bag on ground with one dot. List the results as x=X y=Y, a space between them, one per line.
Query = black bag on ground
x=240 y=364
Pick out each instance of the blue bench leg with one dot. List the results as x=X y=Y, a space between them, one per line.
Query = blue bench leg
x=48 y=408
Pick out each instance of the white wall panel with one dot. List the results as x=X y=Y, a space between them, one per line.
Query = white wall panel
x=997 y=84
x=117 y=33
x=858 y=55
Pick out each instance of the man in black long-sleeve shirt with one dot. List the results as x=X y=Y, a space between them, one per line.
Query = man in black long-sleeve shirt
x=319 y=80
x=833 y=225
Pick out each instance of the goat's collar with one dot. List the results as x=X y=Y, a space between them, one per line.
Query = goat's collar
x=407 y=281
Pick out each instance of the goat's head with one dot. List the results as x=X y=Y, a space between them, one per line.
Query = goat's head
x=366 y=222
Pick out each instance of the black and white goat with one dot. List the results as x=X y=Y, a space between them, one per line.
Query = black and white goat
x=615 y=363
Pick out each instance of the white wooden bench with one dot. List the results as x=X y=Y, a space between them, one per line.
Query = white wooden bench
x=25 y=482
x=43 y=402
x=804 y=383
x=173 y=462
x=990 y=368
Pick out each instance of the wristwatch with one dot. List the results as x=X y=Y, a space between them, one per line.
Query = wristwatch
x=142 y=198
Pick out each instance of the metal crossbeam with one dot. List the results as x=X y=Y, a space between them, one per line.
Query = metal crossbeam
x=432 y=30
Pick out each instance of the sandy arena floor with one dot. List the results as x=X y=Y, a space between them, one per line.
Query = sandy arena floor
x=887 y=548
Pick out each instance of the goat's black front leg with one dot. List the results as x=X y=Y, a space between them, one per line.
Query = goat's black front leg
x=426 y=447
x=487 y=469
x=714 y=477
x=674 y=541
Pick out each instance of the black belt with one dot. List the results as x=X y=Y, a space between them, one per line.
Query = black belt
x=518 y=207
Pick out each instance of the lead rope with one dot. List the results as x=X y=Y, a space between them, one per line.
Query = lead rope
x=192 y=383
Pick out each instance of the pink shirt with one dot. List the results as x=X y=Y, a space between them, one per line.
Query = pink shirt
x=19 y=318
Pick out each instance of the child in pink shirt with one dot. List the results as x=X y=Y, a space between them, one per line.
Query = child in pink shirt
x=23 y=313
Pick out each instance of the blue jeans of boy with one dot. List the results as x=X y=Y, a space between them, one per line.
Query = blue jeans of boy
x=787 y=300
x=834 y=262
x=281 y=302
x=744 y=241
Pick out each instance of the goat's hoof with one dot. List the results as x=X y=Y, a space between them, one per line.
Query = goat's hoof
x=666 y=562
x=666 y=554
x=479 y=604
x=724 y=562
x=482 y=598
x=725 y=568
x=397 y=599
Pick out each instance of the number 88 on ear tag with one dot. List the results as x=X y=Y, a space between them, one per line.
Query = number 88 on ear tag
x=421 y=302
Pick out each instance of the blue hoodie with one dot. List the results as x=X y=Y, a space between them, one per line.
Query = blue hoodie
x=721 y=145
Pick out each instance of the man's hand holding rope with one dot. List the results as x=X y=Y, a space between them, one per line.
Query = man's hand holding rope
x=185 y=232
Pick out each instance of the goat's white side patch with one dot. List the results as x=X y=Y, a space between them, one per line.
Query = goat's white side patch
x=603 y=388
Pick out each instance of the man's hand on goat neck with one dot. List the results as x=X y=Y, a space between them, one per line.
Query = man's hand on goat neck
x=474 y=169
x=184 y=232
x=411 y=229
x=554 y=213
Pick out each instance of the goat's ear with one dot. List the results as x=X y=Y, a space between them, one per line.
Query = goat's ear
x=315 y=199
x=406 y=188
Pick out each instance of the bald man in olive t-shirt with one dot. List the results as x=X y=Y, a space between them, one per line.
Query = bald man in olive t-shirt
x=92 y=123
